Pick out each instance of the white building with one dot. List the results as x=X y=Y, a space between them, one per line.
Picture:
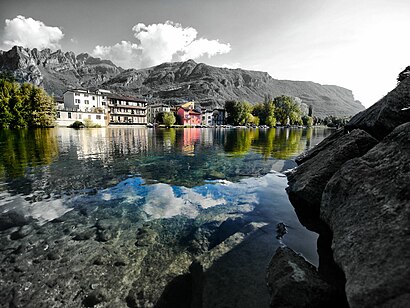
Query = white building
x=86 y=100
x=127 y=110
x=207 y=117
x=66 y=117
x=101 y=107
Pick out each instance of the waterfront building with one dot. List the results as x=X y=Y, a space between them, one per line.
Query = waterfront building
x=188 y=116
x=213 y=117
x=101 y=107
x=127 y=110
x=154 y=110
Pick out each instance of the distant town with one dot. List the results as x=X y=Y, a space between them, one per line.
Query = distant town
x=105 y=108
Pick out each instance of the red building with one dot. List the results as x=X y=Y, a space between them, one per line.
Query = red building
x=188 y=116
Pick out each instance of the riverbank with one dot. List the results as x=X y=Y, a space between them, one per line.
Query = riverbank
x=353 y=190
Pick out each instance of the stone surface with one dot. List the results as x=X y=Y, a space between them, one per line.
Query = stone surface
x=294 y=282
x=307 y=181
x=389 y=112
x=367 y=206
x=12 y=219
x=327 y=142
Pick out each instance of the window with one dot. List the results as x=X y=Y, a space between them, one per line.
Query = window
x=77 y=94
x=69 y=115
x=86 y=95
x=79 y=116
x=77 y=101
x=103 y=103
x=93 y=98
x=58 y=114
x=98 y=117
x=86 y=101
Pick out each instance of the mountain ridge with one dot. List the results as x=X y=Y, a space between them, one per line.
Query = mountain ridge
x=169 y=82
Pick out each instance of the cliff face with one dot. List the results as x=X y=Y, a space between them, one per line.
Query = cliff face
x=56 y=71
x=213 y=86
x=210 y=86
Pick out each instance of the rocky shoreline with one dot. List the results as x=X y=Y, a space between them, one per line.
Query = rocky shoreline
x=353 y=189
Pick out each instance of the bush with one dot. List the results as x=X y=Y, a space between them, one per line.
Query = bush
x=77 y=124
x=89 y=124
x=307 y=121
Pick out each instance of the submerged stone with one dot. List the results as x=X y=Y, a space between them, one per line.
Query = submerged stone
x=294 y=282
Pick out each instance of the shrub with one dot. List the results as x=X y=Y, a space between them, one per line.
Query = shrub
x=77 y=124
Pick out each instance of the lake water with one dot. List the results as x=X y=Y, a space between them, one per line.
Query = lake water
x=137 y=217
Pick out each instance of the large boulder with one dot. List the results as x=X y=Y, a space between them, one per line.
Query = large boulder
x=388 y=113
x=328 y=141
x=367 y=206
x=307 y=181
x=294 y=282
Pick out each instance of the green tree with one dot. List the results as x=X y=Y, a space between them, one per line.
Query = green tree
x=237 y=112
x=6 y=93
x=270 y=121
x=307 y=120
x=265 y=111
x=26 y=105
x=169 y=118
x=43 y=112
x=287 y=110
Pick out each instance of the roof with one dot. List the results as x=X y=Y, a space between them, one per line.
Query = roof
x=76 y=90
x=126 y=98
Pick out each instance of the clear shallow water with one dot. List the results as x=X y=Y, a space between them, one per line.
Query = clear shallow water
x=216 y=194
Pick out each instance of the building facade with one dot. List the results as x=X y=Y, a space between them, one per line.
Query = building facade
x=86 y=100
x=67 y=116
x=213 y=117
x=127 y=110
x=101 y=107
x=189 y=117
x=154 y=110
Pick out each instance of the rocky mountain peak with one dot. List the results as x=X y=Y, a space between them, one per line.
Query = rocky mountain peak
x=171 y=82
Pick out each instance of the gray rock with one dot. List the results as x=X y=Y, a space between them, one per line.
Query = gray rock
x=94 y=298
x=307 y=181
x=294 y=282
x=22 y=232
x=367 y=206
x=327 y=142
x=388 y=113
x=12 y=219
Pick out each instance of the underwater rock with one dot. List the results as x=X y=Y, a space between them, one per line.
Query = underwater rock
x=294 y=282
x=13 y=219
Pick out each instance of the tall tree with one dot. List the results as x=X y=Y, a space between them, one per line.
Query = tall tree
x=287 y=110
x=6 y=93
x=237 y=112
x=26 y=105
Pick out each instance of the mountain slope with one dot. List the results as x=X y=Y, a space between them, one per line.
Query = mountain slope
x=172 y=82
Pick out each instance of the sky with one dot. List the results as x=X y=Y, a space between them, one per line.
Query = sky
x=361 y=45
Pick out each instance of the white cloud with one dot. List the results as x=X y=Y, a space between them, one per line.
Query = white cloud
x=158 y=43
x=31 y=33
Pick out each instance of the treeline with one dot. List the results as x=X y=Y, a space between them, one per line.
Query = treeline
x=24 y=105
x=283 y=110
